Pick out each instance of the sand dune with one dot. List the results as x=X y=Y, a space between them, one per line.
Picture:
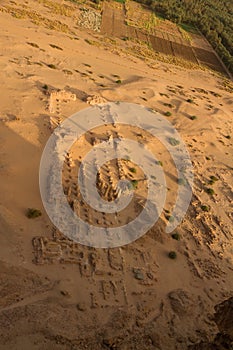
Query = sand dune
x=57 y=294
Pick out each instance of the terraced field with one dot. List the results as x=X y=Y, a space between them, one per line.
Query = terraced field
x=209 y=59
x=135 y=22
x=161 y=45
x=183 y=51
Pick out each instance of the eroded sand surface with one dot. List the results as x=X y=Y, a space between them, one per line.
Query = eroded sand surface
x=57 y=294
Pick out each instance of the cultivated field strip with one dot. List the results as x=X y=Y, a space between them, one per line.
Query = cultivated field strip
x=183 y=51
x=114 y=24
x=209 y=59
x=161 y=45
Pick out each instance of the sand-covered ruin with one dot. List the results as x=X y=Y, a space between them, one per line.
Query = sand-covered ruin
x=56 y=293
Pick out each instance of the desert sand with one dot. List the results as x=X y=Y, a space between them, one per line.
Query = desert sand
x=57 y=294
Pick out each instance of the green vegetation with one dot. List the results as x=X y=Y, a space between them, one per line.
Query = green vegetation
x=132 y=170
x=182 y=181
x=167 y=114
x=190 y=100
x=45 y=87
x=193 y=117
x=172 y=255
x=189 y=28
x=151 y=23
x=170 y=218
x=210 y=191
x=176 y=236
x=159 y=163
x=118 y=81
x=89 y=41
x=211 y=182
x=214 y=178
x=134 y=184
x=33 y=213
x=205 y=208
x=212 y=17
x=173 y=141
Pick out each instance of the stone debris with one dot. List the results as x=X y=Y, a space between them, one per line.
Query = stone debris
x=58 y=96
x=54 y=106
x=138 y=274
x=90 y=19
x=96 y=100
x=181 y=302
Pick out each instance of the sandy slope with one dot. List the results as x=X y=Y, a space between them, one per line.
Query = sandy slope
x=99 y=301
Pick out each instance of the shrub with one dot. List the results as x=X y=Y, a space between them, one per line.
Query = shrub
x=172 y=255
x=170 y=218
x=89 y=41
x=45 y=87
x=213 y=178
x=210 y=191
x=135 y=184
x=132 y=170
x=182 y=181
x=167 y=114
x=193 y=117
x=159 y=163
x=118 y=81
x=176 y=236
x=173 y=141
x=33 y=213
x=190 y=100
x=205 y=208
